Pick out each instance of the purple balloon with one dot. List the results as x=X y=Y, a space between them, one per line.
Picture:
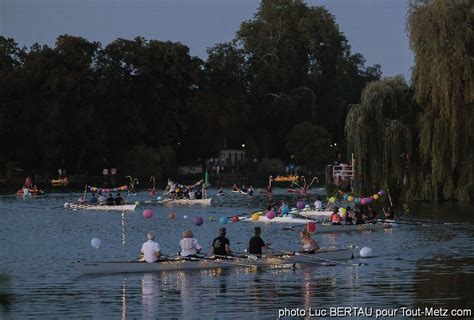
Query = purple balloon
x=198 y=221
x=300 y=205
x=381 y=193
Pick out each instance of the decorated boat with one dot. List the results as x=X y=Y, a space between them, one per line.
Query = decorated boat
x=313 y=214
x=61 y=182
x=289 y=178
x=123 y=207
x=284 y=219
x=330 y=228
x=288 y=259
x=187 y=202
x=30 y=192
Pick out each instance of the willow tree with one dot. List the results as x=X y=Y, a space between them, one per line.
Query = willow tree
x=380 y=132
x=442 y=39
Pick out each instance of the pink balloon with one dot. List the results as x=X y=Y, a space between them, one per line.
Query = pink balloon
x=147 y=213
x=270 y=214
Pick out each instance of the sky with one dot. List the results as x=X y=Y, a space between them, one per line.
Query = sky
x=374 y=28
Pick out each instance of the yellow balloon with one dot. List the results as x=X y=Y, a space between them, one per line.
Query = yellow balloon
x=255 y=217
x=375 y=196
x=342 y=210
x=332 y=199
x=350 y=198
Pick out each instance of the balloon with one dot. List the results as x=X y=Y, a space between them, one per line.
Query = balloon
x=345 y=196
x=350 y=198
x=375 y=196
x=285 y=210
x=357 y=200
x=368 y=200
x=235 y=219
x=381 y=193
x=311 y=227
x=223 y=220
x=198 y=221
x=66 y=205
x=137 y=203
x=332 y=199
x=171 y=216
x=185 y=217
x=255 y=217
x=300 y=205
x=95 y=242
x=147 y=213
x=366 y=252
x=270 y=214
x=212 y=219
x=342 y=211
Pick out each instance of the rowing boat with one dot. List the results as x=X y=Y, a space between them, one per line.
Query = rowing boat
x=285 y=219
x=187 y=202
x=314 y=213
x=31 y=192
x=123 y=207
x=330 y=228
x=179 y=264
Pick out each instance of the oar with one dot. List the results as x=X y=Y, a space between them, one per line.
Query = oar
x=314 y=257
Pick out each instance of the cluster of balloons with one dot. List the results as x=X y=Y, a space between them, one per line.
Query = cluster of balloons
x=148 y=214
x=365 y=200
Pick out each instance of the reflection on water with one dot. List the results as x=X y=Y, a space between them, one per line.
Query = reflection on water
x=413 y=265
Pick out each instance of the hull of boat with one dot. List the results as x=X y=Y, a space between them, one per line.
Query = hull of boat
x=329 y=228
x=289 y=259
x=315 y=214
x=288 y=219
x=125 y=207
x=187 y=202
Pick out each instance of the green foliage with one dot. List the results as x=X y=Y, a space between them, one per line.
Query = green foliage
x=269 y=167
x=380 y=131
x=310 y=145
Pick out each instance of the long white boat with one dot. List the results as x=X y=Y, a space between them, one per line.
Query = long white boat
x=124 y=207
x=179 y=264
x=315 y=214
x=187 y=202
x=284 y=219
x=330 y=228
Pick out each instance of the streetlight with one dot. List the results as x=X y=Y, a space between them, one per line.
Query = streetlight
x=243 y=145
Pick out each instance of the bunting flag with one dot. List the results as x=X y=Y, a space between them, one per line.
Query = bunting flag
x=107 y=190
x=361 y=200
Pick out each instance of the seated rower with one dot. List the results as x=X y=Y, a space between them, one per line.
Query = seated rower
x=244 y=189
x=118 y=200
x=101 y=199
x=221 y=245
x=284 y=209
x=93 y=199
x=250 y=191
x=318 y=205
x=348 y=218
x=110 y=200
x=189 y=245
x=359 y=218
x=151 y=249
x=335 y=217
x=389 y=213
x=371 y=215
x=235 y=188
x=256 y=243
x=220 y=192
x=308 y=244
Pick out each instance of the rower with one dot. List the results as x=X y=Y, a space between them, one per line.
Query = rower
x=308 y=244
x=283 y=210
x=189 y=245
x=118 y=200
x=220 y=192
x=348 y=219
x=256 y=243
x=93 y=199
x=221 y=245
x=110 y=200
x=318 y=205
x=250 y=191
x=335 y=217
x=359 y=217
x=151 y=249
x=101 y=199
x=371 y=215
x=235 y=188
x=389 y=213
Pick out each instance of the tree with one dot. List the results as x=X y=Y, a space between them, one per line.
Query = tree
x=381 y=133
x=442 y=39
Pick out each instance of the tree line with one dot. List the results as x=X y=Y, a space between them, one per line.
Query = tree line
x=281 y=87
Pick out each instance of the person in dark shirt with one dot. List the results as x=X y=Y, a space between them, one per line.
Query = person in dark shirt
x=371 y=215
x=359 y=217
x=110 y=200
x=118 y=200
x=93 y=199
x=389 y=213
x=221 y=245
x=256 y=243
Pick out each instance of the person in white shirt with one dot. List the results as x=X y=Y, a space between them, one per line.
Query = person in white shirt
x=318 y=205
x=151 y=249
x=189 y=245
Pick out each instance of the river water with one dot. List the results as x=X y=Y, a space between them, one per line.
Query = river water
x=414 y=266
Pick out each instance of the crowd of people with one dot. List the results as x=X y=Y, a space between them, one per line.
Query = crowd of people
x=220 y=247
x=175 y=190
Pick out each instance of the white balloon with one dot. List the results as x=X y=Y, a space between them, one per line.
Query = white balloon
x=95 y=242
x=185 y=217
x=365 y=252
x=66 y=205
x=159 y=198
